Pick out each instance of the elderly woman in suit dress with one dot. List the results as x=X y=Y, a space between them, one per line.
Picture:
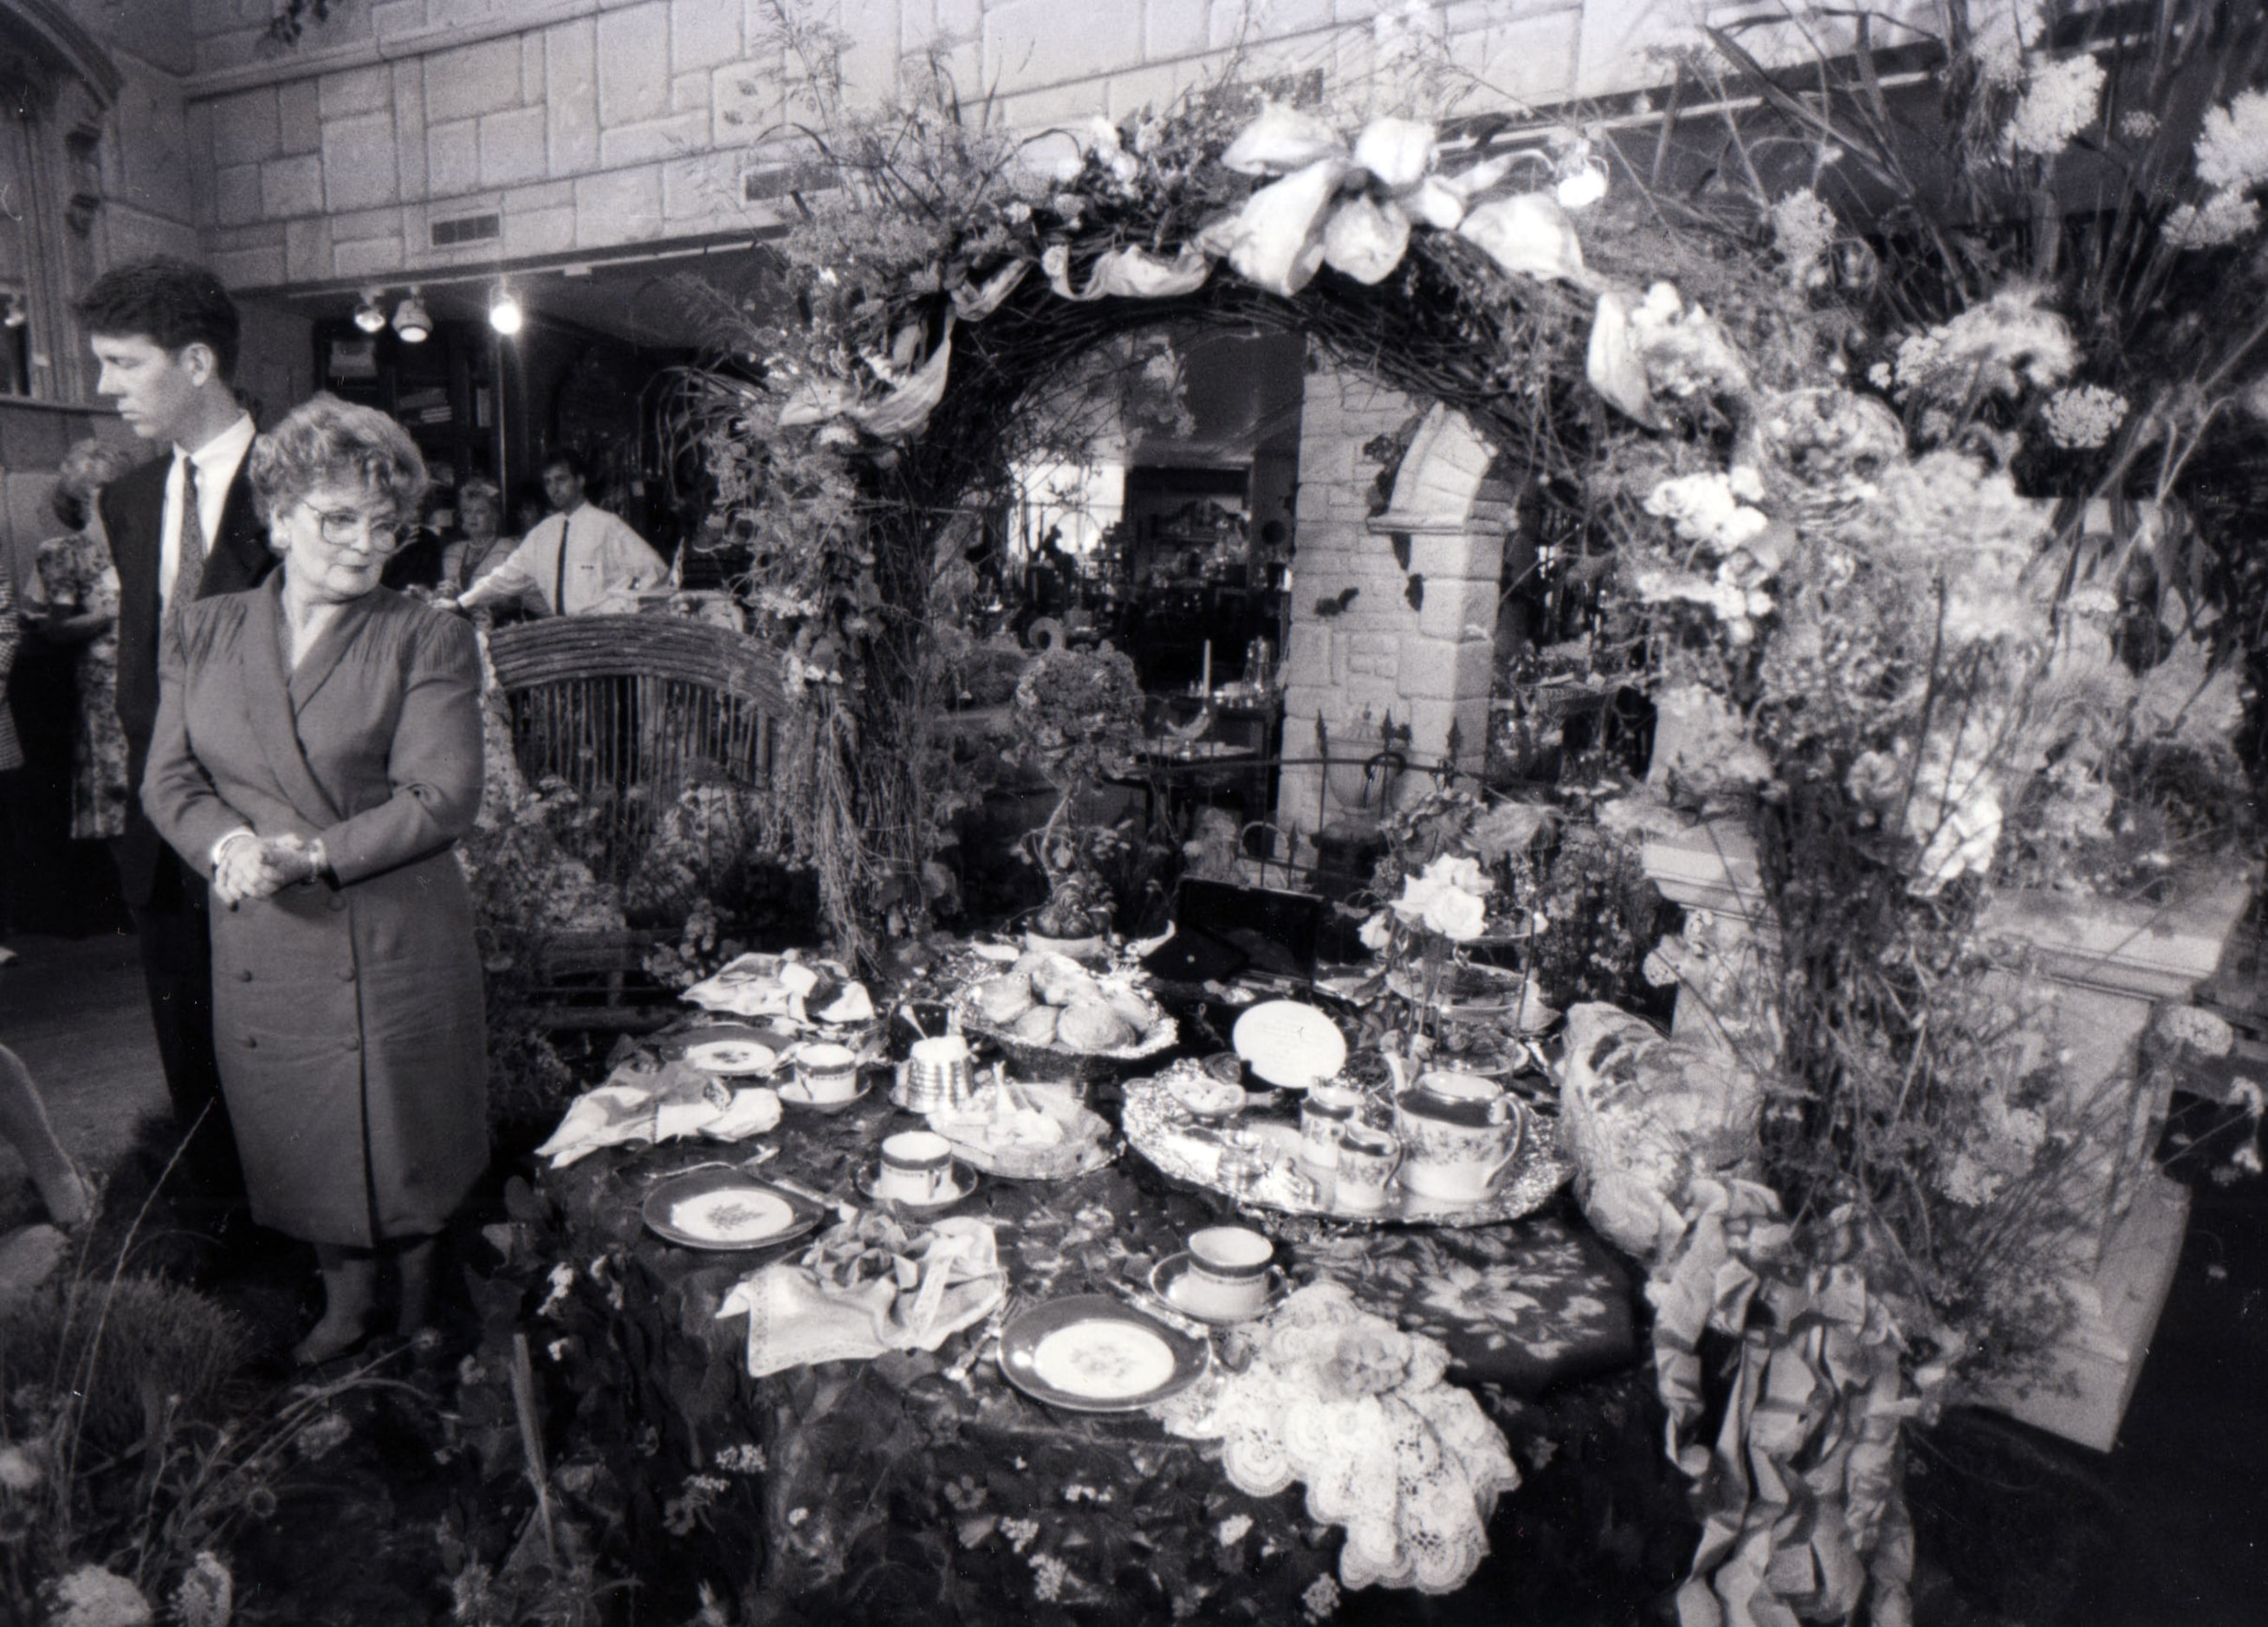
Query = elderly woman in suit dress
x=317 y=756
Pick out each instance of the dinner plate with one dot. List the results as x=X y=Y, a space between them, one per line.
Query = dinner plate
x=1166 y=1275
x=964 y=1183
x=1092 y=1353
x=791 y=1093
x=726 y=1210
x=731 y=1057
x=1289 y=1044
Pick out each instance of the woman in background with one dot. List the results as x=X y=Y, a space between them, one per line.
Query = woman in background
x=478 y=547
x=317 y=756
x=73 y=600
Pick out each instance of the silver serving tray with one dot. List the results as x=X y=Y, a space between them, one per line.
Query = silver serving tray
x=1157 y=1128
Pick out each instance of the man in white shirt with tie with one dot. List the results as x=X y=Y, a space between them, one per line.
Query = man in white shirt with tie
x=574 y=561
x=180 y=527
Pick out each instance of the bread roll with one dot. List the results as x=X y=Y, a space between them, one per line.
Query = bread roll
x=1061 y=982
x=1001 y=1000
x=1090 y=1025
x=1132 y=1009
x=1036 y=1026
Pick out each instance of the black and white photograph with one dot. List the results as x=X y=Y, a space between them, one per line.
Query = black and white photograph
x=1308 y=813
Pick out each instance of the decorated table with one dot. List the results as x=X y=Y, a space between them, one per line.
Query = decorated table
x=871 y=1467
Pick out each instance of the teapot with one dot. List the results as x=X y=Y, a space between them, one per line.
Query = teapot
x=1459 y=1132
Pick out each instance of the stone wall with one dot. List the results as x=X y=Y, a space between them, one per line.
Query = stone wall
x=589 y=124
x=1381 y=659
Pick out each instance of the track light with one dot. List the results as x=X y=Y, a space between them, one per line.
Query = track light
x=504 y=314
x=410 y=320
x=369 y=315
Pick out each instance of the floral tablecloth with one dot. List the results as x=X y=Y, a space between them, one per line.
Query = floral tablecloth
x=923 y=1481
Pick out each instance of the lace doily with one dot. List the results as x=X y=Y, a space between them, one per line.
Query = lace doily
x=1356 y=1410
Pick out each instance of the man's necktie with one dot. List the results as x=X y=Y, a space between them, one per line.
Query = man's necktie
x=188 y=546
x=559 y=576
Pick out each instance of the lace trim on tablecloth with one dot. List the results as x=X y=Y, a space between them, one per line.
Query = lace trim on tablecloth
x=1356 y=1410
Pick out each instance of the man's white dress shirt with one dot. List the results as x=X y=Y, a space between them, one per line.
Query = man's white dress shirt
x=603 y=556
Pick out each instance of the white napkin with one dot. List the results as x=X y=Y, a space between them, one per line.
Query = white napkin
x=636 y=1106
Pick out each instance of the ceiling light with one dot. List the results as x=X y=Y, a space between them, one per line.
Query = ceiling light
x=12 y=314
x=369 y=315
x=410 y=320
x=504 y=314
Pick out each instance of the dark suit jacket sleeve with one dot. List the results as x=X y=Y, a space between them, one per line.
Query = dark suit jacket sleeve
x=177 y=793
x=434 y=766
x=131 y=523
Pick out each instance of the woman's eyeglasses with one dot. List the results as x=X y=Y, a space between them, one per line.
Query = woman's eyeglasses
x=345 y=529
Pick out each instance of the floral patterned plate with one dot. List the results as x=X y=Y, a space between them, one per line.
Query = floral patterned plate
x=731 y=1059
x=1092 y=1353
x=726 y=1211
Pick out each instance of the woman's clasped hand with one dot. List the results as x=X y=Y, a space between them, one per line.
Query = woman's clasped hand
x=249 y=866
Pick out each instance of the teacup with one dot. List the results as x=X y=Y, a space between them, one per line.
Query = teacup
x=827 y=1072
x=917 y=1167
x=1228 y=1270
x=1324 y=1116
x=1368 y=1158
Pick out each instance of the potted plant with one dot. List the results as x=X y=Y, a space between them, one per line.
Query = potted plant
x=1077 y=719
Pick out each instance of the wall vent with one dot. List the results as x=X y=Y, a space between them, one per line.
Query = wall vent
x=467 y=229
x=778 y=180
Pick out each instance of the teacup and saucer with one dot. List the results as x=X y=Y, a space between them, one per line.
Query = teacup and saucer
x=917 y=1170
x=1228 y=1275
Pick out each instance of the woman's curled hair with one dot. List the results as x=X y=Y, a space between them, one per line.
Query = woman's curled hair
x=87 y=468
x=326 y=441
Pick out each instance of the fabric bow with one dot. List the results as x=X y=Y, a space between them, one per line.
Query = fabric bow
x=1352 y=209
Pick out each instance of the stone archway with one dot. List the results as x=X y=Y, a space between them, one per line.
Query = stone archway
x=1415 y=644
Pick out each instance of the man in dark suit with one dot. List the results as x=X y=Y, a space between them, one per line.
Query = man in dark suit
x=180 y=527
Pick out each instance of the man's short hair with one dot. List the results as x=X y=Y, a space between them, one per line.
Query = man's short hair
x=171 y=303
x=566 y=457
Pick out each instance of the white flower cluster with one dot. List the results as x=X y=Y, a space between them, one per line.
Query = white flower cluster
x=1803 y=230
x=1957 y=806
x=1735 y=607
x=2232 y=155
x=1707 y=509
x=2226 y=216
x=2085 y=415
x=1686 y=350
x=2006 y=1152
x=2232 y=149
x=1997 y=30
x=2138 y=125
x=2060 y=100
x=2001 y=345
x=1449 y=896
